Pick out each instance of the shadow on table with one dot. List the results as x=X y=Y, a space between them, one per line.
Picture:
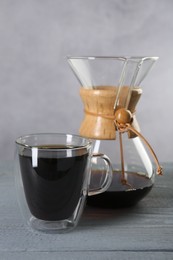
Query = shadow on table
x=95 y=217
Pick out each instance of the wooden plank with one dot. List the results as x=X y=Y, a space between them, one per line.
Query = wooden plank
x=97 y=255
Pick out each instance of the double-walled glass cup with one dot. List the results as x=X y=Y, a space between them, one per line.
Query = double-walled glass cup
x=53 y=179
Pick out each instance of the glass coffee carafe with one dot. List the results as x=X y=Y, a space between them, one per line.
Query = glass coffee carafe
x=110 y=90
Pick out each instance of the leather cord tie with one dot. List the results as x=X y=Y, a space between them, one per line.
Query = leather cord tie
x=123 y=119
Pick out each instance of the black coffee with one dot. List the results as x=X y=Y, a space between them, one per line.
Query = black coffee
x=53 y=187
x=119 y=195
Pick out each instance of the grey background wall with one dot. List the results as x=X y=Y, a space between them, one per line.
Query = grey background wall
x=39 y=93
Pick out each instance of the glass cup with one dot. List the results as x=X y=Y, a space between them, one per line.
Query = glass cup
x=53 y=175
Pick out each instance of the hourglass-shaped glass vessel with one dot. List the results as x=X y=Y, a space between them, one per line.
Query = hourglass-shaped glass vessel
x=110 y=89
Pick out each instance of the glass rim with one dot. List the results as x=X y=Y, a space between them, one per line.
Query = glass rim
x=19 y=139
x=124 y=58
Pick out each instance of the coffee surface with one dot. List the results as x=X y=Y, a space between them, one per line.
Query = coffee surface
x=54 y=187
x=119 y=195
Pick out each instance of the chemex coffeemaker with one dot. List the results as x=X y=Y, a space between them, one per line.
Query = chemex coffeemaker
x=110 y=90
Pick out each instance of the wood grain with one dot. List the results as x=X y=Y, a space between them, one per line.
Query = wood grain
x=98 y=122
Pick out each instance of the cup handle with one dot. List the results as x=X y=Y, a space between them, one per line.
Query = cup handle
x=108 y=176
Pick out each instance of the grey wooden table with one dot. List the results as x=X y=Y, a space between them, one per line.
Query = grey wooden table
x=142 y=232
